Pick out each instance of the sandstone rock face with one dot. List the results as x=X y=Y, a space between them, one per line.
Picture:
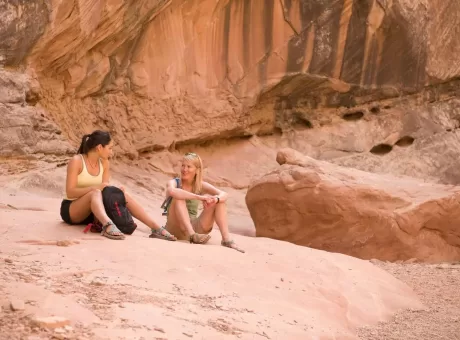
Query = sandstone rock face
x=22 y=22
x=161 y=73
x=25 y=129
x=340 y=80
x=325 y=206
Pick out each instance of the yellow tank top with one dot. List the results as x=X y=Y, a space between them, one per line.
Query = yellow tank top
x=85 y=179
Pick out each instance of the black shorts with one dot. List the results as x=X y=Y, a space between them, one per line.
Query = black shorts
x=65 y=214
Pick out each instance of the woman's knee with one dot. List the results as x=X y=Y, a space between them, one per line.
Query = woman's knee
x=128 y=197
x=178 y=203
x=96 y=194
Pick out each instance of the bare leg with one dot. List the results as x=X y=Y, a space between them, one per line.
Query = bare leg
x=83 y=206
x=218 y=213
x=138 y=212
x=178 y=215
x=90 y=202
x=179 y=219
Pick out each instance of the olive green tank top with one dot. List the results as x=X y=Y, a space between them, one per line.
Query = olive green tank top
x=192 y=205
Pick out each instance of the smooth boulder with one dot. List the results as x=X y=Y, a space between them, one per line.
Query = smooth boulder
x=366 y=215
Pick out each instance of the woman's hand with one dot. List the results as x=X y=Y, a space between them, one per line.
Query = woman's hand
x=209 y=190
x=105 y=184
x=203 y=198
x=209 y=201
x=102 y=185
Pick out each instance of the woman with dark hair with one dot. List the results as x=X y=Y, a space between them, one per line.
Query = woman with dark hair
x=87 y=174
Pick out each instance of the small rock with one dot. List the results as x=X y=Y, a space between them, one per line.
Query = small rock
x=66 y=243
x=282 y=280
x=97 y=283
x=158 y=329
x=8 y=260
x=51 y=322
x=189 y=335
x=17 y=305
x=34 y=337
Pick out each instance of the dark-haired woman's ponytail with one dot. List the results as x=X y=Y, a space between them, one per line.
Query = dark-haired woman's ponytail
x=89 y=142
x=83 y=147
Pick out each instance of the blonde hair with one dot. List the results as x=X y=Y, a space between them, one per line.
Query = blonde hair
x=197 y=183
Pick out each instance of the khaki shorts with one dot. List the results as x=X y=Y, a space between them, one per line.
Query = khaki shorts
x=197 y=226
x=176 y=231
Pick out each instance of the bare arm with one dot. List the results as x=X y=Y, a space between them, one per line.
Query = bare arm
x=73 y=169
x=212 y=190
x=173 y=191
x=106 y=174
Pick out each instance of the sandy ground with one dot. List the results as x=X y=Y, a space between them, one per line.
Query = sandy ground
x=438 y=286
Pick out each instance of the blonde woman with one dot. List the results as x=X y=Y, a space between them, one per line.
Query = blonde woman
x=185 y=194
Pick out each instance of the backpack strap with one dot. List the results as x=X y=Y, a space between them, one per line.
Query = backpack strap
x=178 y=182
x=167 y=201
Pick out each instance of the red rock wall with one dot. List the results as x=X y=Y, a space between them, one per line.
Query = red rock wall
x=161 y=74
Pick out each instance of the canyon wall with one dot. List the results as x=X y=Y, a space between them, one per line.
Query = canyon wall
x=368 y=84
